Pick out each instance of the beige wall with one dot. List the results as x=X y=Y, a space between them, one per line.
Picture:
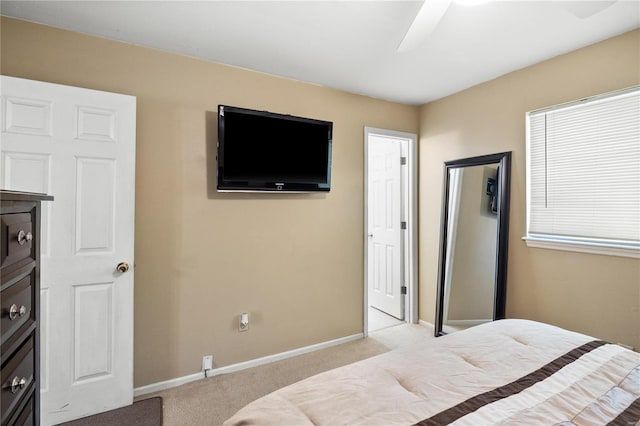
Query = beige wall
x=594 y=294
x=294 y=262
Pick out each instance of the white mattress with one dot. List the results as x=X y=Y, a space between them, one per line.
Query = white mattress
x=519 y=368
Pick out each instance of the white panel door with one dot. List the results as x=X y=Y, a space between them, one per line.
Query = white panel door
x=79 y=146
x=385 y=266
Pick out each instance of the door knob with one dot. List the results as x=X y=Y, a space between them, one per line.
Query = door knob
x=122 y=267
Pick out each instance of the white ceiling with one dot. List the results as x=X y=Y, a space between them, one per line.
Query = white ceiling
x=348 y=45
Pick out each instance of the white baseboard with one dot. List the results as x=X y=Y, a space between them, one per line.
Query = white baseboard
x=167 y=384
x=425 y=323
x=467 y=323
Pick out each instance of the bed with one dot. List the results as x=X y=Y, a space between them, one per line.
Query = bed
x=505 y=372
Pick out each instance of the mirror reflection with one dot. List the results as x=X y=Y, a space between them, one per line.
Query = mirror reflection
x=473 y=249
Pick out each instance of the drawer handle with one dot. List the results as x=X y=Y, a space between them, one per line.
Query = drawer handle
x=15 y=312
x=24 y=237
x=17 y=384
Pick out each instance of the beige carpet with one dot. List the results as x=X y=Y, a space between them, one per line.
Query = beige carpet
x=145 y=412
x=213 y=400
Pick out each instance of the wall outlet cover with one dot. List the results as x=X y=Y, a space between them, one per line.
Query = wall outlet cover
x=207 y=362
x=244 y=322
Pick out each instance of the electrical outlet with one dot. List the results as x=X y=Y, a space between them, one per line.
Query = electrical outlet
x=243 y=325
x=207 y=362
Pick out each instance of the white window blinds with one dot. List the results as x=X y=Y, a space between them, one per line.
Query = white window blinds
x=583 y=165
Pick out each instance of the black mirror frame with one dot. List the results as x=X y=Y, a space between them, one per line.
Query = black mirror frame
x=503 y=159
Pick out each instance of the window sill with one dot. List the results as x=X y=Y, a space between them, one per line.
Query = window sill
x=582 y=247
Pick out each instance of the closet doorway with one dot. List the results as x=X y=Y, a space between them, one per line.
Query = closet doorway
x=390 y=229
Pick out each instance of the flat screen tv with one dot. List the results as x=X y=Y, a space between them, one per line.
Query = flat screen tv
x=265 y=151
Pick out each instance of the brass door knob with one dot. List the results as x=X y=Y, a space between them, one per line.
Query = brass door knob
x=122 y=267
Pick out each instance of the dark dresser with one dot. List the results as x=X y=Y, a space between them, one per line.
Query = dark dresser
x=20 y=307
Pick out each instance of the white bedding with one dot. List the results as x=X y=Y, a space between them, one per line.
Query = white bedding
x=599 y=383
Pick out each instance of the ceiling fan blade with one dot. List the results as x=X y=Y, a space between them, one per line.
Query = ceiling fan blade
x=585 y=9
x=424 y=24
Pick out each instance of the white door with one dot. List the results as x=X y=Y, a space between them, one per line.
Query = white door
x=385 y=262
x=79 y=146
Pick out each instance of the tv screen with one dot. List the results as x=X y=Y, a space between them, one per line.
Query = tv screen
x=265 y=151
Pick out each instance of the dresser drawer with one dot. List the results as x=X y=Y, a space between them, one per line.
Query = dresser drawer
x=16 y=303
x=17 y=378
x=17 y=238
x=26 y=414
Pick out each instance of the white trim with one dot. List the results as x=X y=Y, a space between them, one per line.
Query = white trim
x=595 y=98
x=412 y=232
x=467 y=323
x=411 y=303
x=581 y=247
x=167 y=384
x=425 y=323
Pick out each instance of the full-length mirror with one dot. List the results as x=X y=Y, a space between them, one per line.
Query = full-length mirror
x=473 y=243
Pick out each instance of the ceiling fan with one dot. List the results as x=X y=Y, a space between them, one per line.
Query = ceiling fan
x=426 y=21
x=432 y=11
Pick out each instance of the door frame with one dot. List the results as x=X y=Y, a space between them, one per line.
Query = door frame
x=410 y=193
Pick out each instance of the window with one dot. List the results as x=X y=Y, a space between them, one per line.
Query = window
x=583 y=175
